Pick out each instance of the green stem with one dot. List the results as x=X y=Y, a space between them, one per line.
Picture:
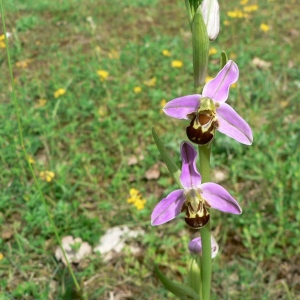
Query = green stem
x=200 y=43
x=204 y=153
x=16 y=105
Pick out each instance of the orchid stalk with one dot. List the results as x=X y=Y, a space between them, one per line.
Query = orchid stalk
x=207 y=113
x=204 y=152
x=206 y=263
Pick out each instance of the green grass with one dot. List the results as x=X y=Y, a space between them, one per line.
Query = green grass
x=89 y=152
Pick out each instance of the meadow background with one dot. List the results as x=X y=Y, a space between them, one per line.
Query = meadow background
x=94 y=138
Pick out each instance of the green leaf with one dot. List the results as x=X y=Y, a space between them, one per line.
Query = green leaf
x=172 y=167
x=224 y=59
x=200 y=49
x=194 y=274
x=190 y=12
x=182 y=291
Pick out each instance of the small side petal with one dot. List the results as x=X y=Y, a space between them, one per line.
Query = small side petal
x=190 y=177
x=211 y=16
x=218 y=88
x=214 y=247
x=219 y=198
x=179 y=108
x=168 y=208
x=233 y=125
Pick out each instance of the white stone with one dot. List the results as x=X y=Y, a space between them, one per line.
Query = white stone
x=73 y=255
x=114 y=240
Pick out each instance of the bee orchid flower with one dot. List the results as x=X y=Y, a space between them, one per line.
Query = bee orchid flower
x=194 y=198
x=209 y=112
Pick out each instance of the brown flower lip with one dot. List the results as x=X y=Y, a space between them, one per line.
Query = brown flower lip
x=202 y=127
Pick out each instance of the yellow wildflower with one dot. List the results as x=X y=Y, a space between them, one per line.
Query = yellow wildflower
x=140 y=204
x=264 y=27
x=2 y=41
x=177 y=64
x=212 y=51
x=59 y=93
x=235 y=14
x=244 y=2
x=114 y=54
x=102 y=74
x=233 y=86
x=23 y=64
x=131 y=200
x=284 y=104
x=150 y=82
x=250 y=8
x=208 y=78
x=136 y=199
x=102 y=111
x=1 y=256
x=137 y=89
x=166 y=53
x=47 y=175
x=134 y=192
x=31 y=160
x=226 y=22
x=233 y=56
x=42 y=102
x=163 y=102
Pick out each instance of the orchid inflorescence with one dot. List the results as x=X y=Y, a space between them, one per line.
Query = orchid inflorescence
x=207 y=112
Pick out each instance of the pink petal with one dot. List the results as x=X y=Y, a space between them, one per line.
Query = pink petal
x=179 y=108
x=168 y=208
x=190 y=177
x=218 y=88
x=233 y=125
x=219 y=198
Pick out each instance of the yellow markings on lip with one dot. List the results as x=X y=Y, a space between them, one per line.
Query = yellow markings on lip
x=196 y=123
x=195 y=207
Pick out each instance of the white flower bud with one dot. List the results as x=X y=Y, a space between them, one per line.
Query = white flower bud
x=211 y=16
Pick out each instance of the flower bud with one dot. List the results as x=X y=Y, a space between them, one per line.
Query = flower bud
x=195 y=246
x=211 y=16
